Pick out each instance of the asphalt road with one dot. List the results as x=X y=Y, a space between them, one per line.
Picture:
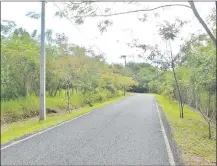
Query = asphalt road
x=126 y=132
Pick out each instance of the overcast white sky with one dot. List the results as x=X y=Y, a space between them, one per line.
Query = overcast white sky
x=124 y=29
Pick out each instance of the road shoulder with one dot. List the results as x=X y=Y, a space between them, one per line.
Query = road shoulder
x=176 y=151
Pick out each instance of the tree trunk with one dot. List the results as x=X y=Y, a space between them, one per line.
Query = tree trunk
x=68 y=98
x=27 y=90
x=194 y=98
x=196 y=101
x=180 y=98
x=72 y=88
x=176 y=81
x=209 y=111
x=26 y=86
x=196 y=105
x=57 y=89
x=202 y=22
x=209 y=130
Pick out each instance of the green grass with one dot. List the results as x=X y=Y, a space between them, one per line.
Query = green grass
x=24 y=108
x=190 y=133
x=29 y=126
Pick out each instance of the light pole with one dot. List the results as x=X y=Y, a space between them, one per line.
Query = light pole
x=125 y=63
x=42 y=112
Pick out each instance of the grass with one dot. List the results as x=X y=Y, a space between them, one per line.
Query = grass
x=22 y=108
x=18 y=129
x=190 y=133
x=25 y=108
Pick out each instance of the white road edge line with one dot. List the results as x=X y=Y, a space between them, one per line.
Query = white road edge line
x=43 y=131
x=169 y=152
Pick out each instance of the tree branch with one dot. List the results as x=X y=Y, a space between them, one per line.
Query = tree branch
x=132 y=11
x=211 y=117
x=192 y=7
x=202 y=22
x=201 y=112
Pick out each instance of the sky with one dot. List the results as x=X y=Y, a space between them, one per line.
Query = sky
x=125 y=28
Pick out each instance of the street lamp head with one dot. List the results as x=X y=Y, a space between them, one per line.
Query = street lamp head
x=123 y=56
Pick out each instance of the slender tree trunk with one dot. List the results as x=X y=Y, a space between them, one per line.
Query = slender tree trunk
x=196 y=105
x=125 y=63
x=68 y=98
x=57 y=89
x=210 y=136
x=180 y=98
x=26 y=86
x=207 y=119
x=27 y=90
x=72 y=88
x=176 y=81
x=193 y=98
x=180 y=112
x=209 y=111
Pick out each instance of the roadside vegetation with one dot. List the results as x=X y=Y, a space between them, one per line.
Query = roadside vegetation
x=14 y=130
x=190 y=133
x=74 y=78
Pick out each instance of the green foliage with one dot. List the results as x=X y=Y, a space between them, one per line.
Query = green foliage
x=69 y=70
x=190 y=132
x=142 y=74
x=196 y=76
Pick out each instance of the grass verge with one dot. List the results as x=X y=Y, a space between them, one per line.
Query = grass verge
x=18 y=129
x=190 y=133
x=28 y=107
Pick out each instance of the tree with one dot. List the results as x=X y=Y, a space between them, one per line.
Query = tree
x=20 y=56
x=80 y=11
x=169 y=32
x=210 y=117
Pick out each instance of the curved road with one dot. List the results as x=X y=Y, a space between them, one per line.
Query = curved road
x=127 y=132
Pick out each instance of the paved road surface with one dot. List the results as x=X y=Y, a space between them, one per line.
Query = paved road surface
x=126 y=132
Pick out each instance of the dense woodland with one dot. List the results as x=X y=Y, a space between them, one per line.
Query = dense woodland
x=76 y=76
